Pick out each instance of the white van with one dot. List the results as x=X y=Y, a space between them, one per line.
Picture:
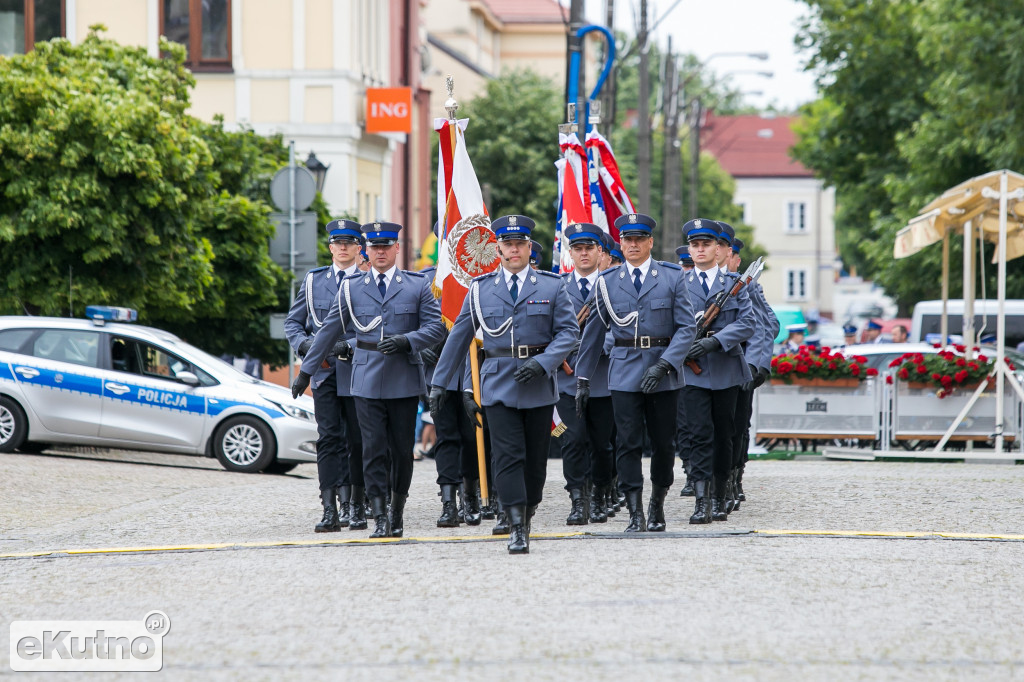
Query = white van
x=927 y=319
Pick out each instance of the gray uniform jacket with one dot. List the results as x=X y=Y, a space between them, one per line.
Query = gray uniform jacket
x=768 y=329
x=734 y=325
x=663 y=310
x=302 y=322
x=408 y=308
x=542 y=314
x=598 y=382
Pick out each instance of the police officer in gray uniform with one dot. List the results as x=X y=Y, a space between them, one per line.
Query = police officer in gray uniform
x=338 y=447
x=395 y=316
x=645 y=304
x=529 y=328
x=710 y=397
x=682 y=429
x=586 y=444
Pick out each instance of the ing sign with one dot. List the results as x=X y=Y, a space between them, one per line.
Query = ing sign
x=389 y=110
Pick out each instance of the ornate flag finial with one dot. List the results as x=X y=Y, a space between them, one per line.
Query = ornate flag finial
x=450 y=105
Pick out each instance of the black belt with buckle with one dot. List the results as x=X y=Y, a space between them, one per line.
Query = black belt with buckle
x=522 y=352
x=643 y=342
x=366 y=345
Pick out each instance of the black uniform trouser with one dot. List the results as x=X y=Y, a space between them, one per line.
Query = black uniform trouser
x=631 y=412
x=741 y=435
x=586 y=443
x=682 y=429
x=355 y=440
x=385 y=424
x=455 y=448
x=332 y=448
x=710 y=414
x=519 y=449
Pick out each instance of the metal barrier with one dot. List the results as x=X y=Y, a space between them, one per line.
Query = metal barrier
x=818 y=412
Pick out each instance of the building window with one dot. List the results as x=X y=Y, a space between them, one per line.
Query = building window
x=203 y=27
x=796 y=217
x=796 y=284
x=745 y=211
x=23 y=23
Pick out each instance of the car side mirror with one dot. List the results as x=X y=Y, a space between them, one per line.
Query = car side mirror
x=187 y=378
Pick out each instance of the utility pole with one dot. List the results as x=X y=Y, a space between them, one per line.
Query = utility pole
x=697 y=112
x=643 y=153
x=576 y=45
x=669 y=186
x=608 y=96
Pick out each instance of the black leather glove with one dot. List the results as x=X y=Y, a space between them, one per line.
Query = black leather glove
x=750 y=385
x=530 y=370
x=654 y=374
x=435 y=400
x=582 y=396
x=396 y=343
x=472 y=409
x=300 y=384
x=342 y=350
x=429 y=356
x=762 y=376
x=702 y=347
x=304 y=347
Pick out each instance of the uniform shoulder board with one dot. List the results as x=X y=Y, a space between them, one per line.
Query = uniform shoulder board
x=614 y=268
x=548 y=274
x=357 y=273
x=413 y=273
x=731 y=275
x=321 y=268
x=670 y=266
x=486 y=275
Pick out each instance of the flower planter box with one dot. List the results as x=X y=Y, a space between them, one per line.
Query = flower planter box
x=824 y=409
x=930 y=385
x=847 y=382
x=919 y=415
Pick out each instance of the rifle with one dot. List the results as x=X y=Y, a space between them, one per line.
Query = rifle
x=708 y=316
x=581 y=320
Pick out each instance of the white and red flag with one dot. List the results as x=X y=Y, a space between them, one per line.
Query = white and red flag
x=615 y=199
x=573 y=194
x=467 y=247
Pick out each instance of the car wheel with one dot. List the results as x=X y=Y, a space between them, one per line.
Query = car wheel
x=245 y=444
x=32 y=448
x=279 y=467
x=13 y=425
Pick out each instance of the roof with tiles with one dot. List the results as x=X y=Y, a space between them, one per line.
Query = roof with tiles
x=753 y=146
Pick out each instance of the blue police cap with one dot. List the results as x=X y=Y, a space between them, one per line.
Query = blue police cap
x=849 y=329
x=684 y=254
x=874 y=325
x=701 y=228
x=635 y=224
x=798 y=328
x=536 y=250
x=381 y=232
x=513 y=227
x=344 y=231
x=737 y=245
x=615 y=252
x=581 y=233
x=726 y=233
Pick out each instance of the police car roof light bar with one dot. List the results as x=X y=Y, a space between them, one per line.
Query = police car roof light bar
x=101 y=314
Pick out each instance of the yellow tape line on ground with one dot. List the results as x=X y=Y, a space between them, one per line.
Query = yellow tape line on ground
x=490 y=538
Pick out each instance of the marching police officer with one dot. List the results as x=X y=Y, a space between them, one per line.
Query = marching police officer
x=587 y=440
x=395 y=316
x=685 y=262
x=712 y=393
x=536 y=253
x=529 y=327
x=339 y=446
x=645 y=304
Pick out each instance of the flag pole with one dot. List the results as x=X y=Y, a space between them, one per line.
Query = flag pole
x=451 y=106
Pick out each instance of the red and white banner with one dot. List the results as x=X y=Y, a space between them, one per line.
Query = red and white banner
x=615 y=198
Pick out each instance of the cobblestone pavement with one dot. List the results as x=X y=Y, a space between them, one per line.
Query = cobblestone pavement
x=699 y=602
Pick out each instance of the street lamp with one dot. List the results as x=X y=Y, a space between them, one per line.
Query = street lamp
x=318 y=169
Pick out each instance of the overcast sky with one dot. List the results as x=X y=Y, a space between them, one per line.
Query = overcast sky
x=704 y=28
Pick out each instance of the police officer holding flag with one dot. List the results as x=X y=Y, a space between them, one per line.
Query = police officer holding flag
x=646 y=305
x=529 y=327
x=395 y=317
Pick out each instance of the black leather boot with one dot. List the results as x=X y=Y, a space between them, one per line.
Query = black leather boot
x=501 y=520
x=597 y=511
x=531 y=511
x=656 y=510
x=519 y=536
x=727 y=500
x=620 y=497
x=578 y=513
x=471 y=501
x=702 y=508
x=397 y=513
x=358 y=506
x=461 y=500
x=718 y=512
x=329 y=523
x=635 y=505
x=344 y=505
x=687 y=490
x=609 y=504
x=739 y=485
x=449 y=514
x=382 y=528
x=734 y=493
x=489 y=511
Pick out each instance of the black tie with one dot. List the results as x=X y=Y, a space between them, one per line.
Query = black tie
x=514 y=289
x=585 y=289
x=636 y=279
x=704 y=282
x=382 y=286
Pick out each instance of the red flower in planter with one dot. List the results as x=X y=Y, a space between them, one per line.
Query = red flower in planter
x=872 y=372
x=921 y=369
x=860 y=358
x=982 y=358
x=936 y=345
x=960 y=376
x=936 y=376
x=904 y=374
x=947 y=381
x=785 y=367
x=888 y=379
x=801 y=368
x=960 y=348
x=960 y=362
x=855 y=370
x=972 y=364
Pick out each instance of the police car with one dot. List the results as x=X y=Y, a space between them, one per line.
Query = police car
x=103 y=383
